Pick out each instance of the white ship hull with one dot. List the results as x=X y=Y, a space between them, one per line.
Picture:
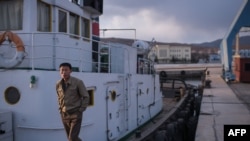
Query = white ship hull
x=123 y=95
x=36 y=116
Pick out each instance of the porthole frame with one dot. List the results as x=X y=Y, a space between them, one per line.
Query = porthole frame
x=14 y=98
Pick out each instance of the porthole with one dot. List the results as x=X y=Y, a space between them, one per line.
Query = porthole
x=12 y=95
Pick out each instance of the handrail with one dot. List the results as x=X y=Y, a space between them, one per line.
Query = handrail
x=53 y=47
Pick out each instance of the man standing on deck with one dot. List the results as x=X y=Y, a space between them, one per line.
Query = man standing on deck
x=73 y=99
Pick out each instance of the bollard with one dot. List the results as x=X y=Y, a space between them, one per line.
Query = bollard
x=208 y=83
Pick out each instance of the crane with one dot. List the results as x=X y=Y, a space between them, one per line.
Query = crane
x=241 y=20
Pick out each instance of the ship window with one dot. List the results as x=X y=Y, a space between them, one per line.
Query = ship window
x=62 y=21
x=74 y=24
x=85 y=28
x=75 y=1
x=91 y=97
x=104 y=59
x=12 y=95
x=43 y=16
x=11 y=14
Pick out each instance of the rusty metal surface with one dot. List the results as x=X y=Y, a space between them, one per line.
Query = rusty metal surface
x=242 y=91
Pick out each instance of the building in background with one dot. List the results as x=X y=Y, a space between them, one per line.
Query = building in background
x=172 y=54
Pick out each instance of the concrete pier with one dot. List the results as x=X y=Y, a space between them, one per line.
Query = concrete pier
x=220 y=106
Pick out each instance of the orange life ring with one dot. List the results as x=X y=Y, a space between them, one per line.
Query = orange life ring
x=20 y=50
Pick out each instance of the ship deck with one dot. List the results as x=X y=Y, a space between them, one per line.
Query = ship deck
x=171 y=105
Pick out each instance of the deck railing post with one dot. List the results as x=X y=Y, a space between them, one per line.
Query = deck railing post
x=32 y=50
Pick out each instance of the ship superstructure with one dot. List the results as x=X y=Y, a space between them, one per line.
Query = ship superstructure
x=35 y=37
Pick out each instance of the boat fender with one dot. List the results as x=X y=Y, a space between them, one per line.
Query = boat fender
x=20 y=50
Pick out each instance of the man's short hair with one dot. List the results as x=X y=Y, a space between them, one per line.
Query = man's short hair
x=65 y=64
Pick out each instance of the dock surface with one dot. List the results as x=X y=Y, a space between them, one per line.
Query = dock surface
x=221 y=106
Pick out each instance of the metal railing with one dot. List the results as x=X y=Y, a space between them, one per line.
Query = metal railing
x=46 y=50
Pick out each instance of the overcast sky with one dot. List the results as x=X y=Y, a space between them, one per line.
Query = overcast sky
x=182 y=21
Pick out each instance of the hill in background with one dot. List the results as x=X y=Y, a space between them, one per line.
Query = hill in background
x=198 y=51
x=244 y=42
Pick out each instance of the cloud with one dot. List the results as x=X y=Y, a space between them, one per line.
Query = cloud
x=189 y=21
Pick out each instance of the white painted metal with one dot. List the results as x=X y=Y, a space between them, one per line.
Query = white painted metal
x=36 y=116
x=6 y=125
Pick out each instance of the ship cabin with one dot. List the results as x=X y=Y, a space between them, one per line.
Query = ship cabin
x=55 y=31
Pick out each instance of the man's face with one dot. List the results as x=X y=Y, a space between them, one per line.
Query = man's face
x=65 y=72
